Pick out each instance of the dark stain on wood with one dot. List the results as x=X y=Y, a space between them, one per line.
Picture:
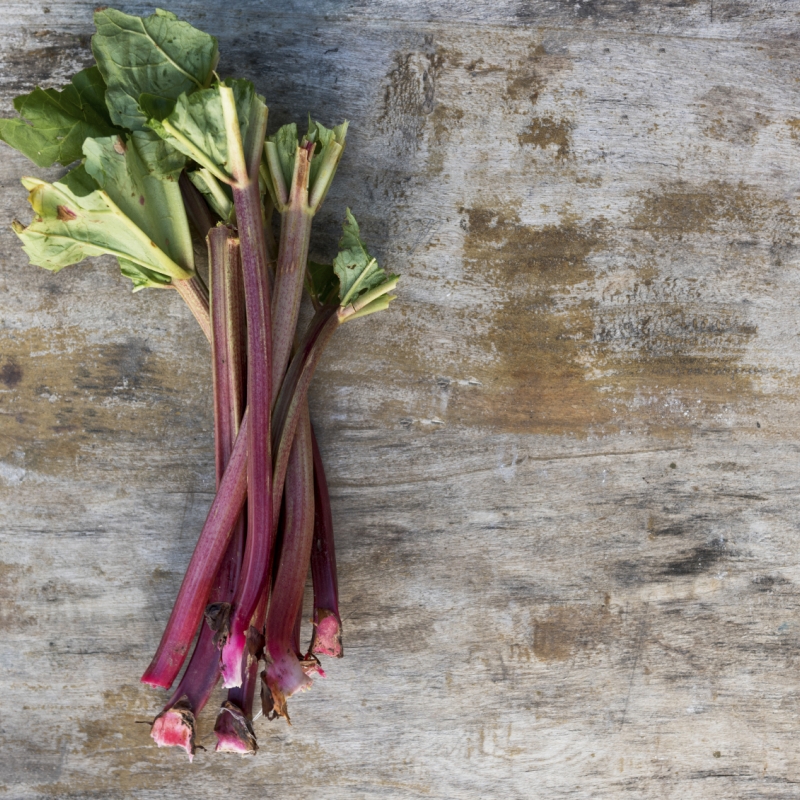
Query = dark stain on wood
x=545 y=131
x=10 y=373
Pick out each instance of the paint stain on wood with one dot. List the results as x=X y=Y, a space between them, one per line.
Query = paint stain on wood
x=545 y=131
x=731 y=115
x=528 y=78
x=12 y=584
x=537 y=382
x=69 y=394
x=566 y=630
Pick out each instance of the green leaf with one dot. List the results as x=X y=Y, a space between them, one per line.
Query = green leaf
x=152 y=204
x=321 y=281
x=160 y=158
x=217 y=195
x=142 y=277
x=286 y=144
x=196 y=124
x=357 y=270
x=158 y=55
x=324 y=151
x=59 y=121
x=75 y=219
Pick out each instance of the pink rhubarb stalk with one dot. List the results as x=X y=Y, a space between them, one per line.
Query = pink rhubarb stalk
x=175 y=725
x=291 y=267
x=285 y=673
x=260 y=531
x=327 y=637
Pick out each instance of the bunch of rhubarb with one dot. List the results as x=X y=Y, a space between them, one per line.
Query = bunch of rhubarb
x=162 y=153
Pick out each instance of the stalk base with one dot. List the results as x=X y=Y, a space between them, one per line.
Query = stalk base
x=327 y=639
x=175 y=727
x=234 y=732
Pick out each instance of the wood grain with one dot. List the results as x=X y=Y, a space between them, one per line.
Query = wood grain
x=564 y=467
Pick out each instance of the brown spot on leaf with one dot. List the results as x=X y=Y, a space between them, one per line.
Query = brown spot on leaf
x=120 y=146
x=544 y=131
x=65 y=214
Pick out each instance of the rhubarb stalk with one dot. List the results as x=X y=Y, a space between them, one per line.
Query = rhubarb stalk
x=327 y=636
x=247 y=201
x=175 y=725
x=285 y=674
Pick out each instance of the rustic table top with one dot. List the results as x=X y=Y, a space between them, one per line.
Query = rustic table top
x=564 y=466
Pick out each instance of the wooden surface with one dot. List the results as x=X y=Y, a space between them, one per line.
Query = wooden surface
x=564 y=467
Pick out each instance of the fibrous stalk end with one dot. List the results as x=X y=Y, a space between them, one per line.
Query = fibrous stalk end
x=327 y=639
x=175 y=727
x=285 y=676
x=234 y=731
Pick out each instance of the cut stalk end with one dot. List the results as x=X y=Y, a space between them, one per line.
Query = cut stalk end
x=285 y=677
x=327 y=639
x=234 y=731
x=175 y=727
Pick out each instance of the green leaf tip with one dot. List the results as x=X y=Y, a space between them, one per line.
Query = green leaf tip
x=55 y=122
x=159 y=55
x=361 y=280
x=281 y=153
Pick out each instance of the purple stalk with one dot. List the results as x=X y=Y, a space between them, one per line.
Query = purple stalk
x=294 y=391
x=175 y=725
x=233 y=727
x=292 y=258
x=203 y=567
x=247 y=201
x=327 y=637
x=285 y=674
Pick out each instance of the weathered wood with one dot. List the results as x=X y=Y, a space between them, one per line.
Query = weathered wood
x=564 y=466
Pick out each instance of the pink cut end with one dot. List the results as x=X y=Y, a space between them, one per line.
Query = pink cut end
x=327 y=639
x=175 y=728
x=230 y=660
x=285 y=677
x=234 y=732
x=311 y=666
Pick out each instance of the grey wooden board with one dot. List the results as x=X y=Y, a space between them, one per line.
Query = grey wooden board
x=564 y=467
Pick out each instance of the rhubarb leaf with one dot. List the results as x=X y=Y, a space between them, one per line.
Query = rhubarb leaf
x=357 y=270
x=286 y=144
x=321 y=282
x=153 y=205
x=161 y=159
x=159 y=55
x=74 y=220
x=196 y=124
x=55 y=122
x=326 y=149
x=217 y=195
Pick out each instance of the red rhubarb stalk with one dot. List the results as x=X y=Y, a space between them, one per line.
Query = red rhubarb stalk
x=327 y=636
x=285 y=674
x=175 y=725
x=247 y=201
x=203 y=567
x=291 y=267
